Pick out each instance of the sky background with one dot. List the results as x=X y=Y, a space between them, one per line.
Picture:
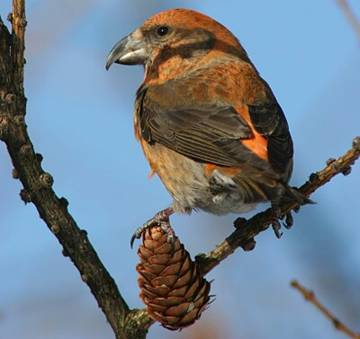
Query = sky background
x=80 y=119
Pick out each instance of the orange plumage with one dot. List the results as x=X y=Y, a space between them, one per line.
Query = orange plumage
x=208 y=124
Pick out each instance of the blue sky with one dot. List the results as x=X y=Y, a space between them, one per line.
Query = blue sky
x=80 y=118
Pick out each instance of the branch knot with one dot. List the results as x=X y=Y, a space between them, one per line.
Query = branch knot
x=4 y=127
x=356 y=144
x=25 y=196
x=55 y=228
x=46 y=180
x=25 y=150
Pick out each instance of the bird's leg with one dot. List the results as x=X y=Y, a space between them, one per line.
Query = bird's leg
x=301 y=200
x=276 y=225
x=275 y=205
x=284 y=194
x=160 y=219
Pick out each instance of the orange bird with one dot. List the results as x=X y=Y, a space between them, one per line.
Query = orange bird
x=208 y=124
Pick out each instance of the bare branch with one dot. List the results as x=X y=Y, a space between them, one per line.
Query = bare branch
x=350 y=15
x=311 y=297
x=18 y=22
x=245 y=234
x=38 y=184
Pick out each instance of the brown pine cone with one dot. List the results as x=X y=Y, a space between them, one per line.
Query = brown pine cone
x=171 y=287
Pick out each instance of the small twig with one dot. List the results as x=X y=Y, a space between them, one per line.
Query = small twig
x=350 y=15
x=245 y=234
x=311 y=297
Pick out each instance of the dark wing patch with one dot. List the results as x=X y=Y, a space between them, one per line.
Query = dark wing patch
x=269 y=120
x=205 y=134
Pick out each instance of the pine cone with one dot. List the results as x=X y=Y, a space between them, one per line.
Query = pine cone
x=171 y=287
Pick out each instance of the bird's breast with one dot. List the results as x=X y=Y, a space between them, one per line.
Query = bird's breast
x=183 y=178
x=194 y=185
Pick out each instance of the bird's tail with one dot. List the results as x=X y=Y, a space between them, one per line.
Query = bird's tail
x=293 y=194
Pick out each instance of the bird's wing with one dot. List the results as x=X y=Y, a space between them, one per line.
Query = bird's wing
x=269 y=120
x=210 y=132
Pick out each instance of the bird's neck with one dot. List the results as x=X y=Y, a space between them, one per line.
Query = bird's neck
x=174 y=67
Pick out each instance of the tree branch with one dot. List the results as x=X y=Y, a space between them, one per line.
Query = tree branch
x=261 y=221
x=311 y=297
x=38 y=184
x=18 y=23
x=350 y=16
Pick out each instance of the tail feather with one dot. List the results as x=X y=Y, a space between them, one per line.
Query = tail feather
x=292 y=193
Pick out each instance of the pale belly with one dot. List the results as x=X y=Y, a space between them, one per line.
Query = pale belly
x=190 y=186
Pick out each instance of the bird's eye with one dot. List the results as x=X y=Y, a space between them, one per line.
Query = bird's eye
x=162 y=30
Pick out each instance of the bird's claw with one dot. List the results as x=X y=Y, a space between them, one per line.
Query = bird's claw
x=276 y=226
x=140 y=230
x=289 y=220
x=166 y=228
x=160 y=219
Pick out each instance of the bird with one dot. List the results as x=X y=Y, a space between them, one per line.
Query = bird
x=209 y=125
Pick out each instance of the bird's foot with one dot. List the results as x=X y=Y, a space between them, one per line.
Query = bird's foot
x=287 y=218
x=277 y=216
x=160 y=219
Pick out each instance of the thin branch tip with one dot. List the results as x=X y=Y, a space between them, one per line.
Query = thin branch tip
x=311 y=298
x=350 y=16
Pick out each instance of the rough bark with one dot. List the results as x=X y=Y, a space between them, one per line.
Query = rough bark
x=38 y=184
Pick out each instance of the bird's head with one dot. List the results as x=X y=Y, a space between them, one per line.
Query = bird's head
x=175 y=33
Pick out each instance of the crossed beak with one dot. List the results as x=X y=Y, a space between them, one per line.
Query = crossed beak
x=130 y=50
